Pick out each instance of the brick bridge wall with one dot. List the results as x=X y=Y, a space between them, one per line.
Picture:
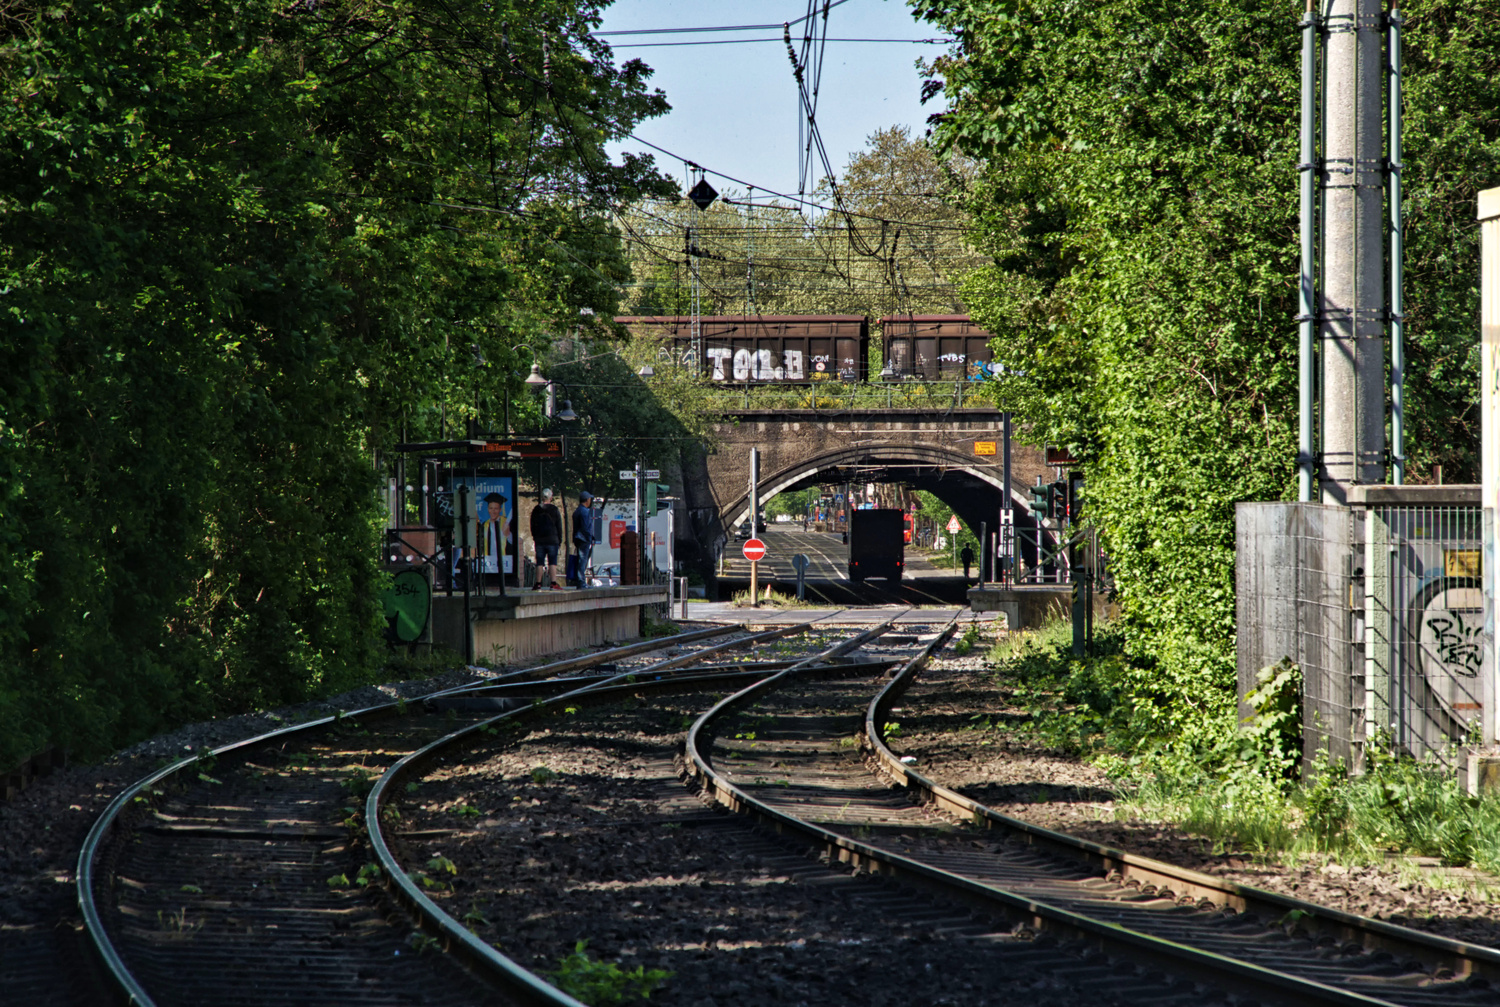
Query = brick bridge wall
x=795 y=443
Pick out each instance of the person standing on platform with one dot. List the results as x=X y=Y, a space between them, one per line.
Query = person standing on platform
x=583 y=536
x=546 y=532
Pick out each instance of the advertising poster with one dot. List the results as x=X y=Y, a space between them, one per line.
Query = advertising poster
x=492 y=520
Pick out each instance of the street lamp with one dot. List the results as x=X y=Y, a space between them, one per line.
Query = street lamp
x=533 y=380
x=566 y=414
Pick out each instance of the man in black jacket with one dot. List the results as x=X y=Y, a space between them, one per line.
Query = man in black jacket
x=546 y=532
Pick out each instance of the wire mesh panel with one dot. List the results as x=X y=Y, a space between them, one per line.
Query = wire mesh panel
x=1427 y=690
x=1295 y=597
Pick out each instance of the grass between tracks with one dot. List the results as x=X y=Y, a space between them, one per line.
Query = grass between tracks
x=1239 y=787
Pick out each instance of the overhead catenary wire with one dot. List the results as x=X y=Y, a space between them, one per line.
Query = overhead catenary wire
x=748 y=41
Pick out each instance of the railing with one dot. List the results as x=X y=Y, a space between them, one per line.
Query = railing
x=835 y=395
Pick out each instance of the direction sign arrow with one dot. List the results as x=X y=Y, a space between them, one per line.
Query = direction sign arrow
x=800 y=562
x=755 y=550
x=652 y=473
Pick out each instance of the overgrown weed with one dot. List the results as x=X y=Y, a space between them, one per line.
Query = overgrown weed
x=769 y=599
x=600 y=983
x=1238 y=784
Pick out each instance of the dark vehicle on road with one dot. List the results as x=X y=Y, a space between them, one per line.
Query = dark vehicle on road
x=876 y=544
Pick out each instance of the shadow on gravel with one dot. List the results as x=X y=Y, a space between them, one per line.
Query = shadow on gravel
x=1037 y=792
x=965 y=724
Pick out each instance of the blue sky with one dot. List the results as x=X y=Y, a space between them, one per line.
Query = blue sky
x=735 y=107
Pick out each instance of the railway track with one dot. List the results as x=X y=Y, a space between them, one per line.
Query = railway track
x=234 y=877
x=486 y=822
x=1272 y=948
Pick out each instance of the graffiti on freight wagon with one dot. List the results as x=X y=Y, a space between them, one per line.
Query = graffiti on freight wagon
x=729 y=364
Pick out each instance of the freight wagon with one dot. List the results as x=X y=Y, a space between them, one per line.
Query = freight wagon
x=935 y=348
x=765 y=349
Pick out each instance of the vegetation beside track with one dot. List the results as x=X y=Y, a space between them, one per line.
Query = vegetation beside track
x=1241 y=790
x=1138 y=198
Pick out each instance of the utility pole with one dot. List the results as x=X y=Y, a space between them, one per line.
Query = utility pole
x=750 y=257
x=1351 y=325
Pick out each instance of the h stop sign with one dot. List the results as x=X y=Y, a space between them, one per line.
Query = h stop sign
x=755 y=550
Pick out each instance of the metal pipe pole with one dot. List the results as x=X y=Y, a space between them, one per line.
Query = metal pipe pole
x=1398 y=321
x=465 y=551
x=1353 y=289
x=1006 y=504
x=1307 y=300
x=754 y=520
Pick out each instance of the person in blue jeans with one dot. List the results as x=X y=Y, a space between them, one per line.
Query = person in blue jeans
x=583 y=536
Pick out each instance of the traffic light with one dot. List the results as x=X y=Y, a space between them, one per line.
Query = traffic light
x=1075 y=495
x=1041 y=497
x=656 y=497
x=1057 y=505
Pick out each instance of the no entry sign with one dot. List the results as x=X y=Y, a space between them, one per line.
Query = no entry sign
x=755 y=550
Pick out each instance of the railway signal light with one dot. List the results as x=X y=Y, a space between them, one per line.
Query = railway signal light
x=1041 y=497
x=1057 y=501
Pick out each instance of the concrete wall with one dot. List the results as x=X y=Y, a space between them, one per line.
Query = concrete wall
x=534 y=624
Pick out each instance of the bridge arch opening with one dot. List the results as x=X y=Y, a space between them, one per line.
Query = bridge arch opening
x=973 y=491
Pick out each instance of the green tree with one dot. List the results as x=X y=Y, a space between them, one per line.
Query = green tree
x=901 y=246
x=1137 y=199
x=244 y=247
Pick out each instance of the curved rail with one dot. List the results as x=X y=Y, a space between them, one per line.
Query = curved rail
x=1376 y=935
x=1167 y=954
x=517 y=980
x=130 y=987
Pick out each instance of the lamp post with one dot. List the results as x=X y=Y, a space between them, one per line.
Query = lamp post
x=566 y=414
x=533 y=380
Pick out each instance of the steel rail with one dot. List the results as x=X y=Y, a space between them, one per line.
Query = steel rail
x=1170 y=955
x=98 y=936
x=517 y=980
x=1377 y=935
x=749 y=641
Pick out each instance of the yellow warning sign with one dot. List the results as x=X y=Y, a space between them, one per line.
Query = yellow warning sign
x=984 y=447
x=1462 y=563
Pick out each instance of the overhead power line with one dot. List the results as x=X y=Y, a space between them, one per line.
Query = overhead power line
x=732 y=27
x=744 y=41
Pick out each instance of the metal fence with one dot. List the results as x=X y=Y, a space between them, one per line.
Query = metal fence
x=1299 y=599
x=1424 y=650
x=1382 y=606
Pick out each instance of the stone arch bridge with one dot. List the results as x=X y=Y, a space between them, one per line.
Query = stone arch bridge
x=929 y=449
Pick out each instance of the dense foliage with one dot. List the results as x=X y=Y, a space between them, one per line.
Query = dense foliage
x=244 y=246
x=899 y=247
x=1138 y=198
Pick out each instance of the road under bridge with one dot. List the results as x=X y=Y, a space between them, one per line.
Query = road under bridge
x=945 y=451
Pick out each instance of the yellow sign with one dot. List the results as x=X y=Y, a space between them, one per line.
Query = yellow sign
x=1461 y=563
x=984 y=447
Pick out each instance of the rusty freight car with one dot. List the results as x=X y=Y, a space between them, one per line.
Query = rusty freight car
x=765 y=349
x=935 y=347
